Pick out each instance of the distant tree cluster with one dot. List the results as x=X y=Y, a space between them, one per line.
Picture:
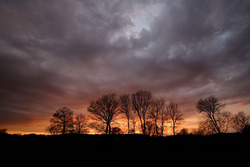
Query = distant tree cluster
x=141 y=109
x=3 y=131
x=150 y=112
x=141 y=106
x=217 y=121
x=63 y=122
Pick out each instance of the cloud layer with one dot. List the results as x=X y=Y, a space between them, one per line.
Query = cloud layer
x=57 y=53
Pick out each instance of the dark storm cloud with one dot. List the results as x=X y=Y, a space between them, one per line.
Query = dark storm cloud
x=70 y=52
x=52 y=52
x=205 y=42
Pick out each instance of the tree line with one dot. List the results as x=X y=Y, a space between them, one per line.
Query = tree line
x=215 y=120
x=151 y=113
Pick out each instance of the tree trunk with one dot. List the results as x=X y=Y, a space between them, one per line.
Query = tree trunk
x=128 y=125
x=134 y=126
x=107 y=128
x=143 y=131
x=214 y=123
x=156 y=128
x=162 y=128
x=64 y=128
x=173 y=128
x=79 y=129
x=144 y=126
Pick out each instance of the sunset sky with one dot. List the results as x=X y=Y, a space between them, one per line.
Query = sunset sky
x=68 y=52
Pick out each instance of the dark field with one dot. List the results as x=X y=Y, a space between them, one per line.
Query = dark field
x=123 y=150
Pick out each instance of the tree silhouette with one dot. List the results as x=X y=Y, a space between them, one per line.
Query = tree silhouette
x=134 y=121
x=3 y=131
x=183 y=131
x=174 y=114
x=100 y=127
x=116 y=130
x=141 y=101
x=149 y=128
x=156 y=112
x=163 y=116
x=54 y=130
x=62 y=121
x=105 y=109
x=240 y=121
x=80 y=124
x=125 y=107
x=224 y=120
x=210 y=106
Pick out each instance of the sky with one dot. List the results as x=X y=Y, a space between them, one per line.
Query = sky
x=69 y=52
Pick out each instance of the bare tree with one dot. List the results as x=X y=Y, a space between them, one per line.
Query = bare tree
x=80 y=124
x=201 y=130
x=210 y=106
x=141 y=101
x=61 y=121
x=156 y=112
x=174 y=114
x=163 y=115
x=224 y=120
x=206 y=127
x=105 y=109
x=125 y=107
x=133 y=119
x=100 y=127
x=149 y=127
x=54 y=130
x=3 y=131
x=240 y=120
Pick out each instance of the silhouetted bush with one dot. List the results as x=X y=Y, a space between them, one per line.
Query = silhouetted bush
x=246 y=130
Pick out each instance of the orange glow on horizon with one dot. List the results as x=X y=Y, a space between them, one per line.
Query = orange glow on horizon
x=190 y=122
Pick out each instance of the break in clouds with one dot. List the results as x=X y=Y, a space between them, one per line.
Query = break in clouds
x=69 y=52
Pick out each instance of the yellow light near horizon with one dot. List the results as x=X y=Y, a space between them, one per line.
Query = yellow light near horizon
x=27 y=132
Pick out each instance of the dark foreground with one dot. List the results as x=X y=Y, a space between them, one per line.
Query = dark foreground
x=123 y=150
